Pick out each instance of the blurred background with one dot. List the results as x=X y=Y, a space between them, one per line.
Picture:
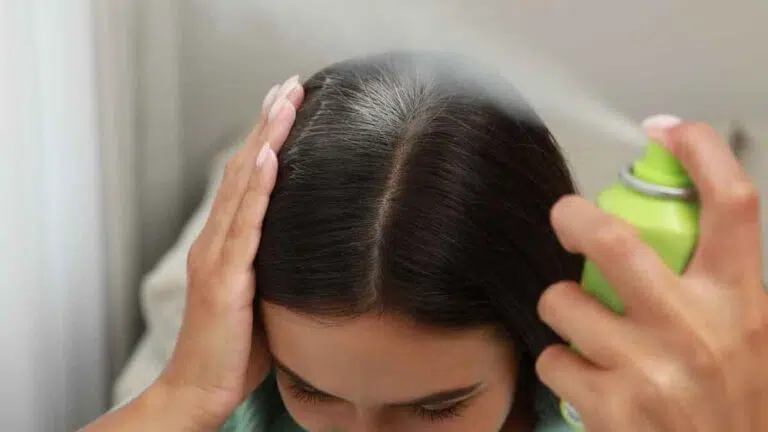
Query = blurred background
x=111 y=113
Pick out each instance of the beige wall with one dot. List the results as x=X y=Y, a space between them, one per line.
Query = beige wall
x=686 y=57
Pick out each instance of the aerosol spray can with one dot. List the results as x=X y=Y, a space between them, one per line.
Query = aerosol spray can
x=656 y=196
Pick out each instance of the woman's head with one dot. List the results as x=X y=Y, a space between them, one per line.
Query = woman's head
x=406 y=246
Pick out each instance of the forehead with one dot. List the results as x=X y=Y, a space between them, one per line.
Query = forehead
x=379 y=358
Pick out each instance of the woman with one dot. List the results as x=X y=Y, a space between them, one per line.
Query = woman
x=403 y=255
x=413 y=207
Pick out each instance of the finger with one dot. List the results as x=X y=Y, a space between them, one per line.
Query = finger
x=730 y=239
x=243 y=238
x=266 y=105
x=240 y=166
x=291 y=90
x=256 y=136
x=634 y=271
x=281 y=119
x=235 y=180
x=598 y=334
x=572 y=378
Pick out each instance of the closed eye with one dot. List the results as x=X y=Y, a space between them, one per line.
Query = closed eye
x=443 y=412
x=307 y=394
x=433 y=413
x=438 y=406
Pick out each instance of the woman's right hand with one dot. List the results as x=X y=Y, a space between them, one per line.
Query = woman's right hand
x=220 y=355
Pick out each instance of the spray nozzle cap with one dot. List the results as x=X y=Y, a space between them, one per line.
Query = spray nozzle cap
x=658 y=165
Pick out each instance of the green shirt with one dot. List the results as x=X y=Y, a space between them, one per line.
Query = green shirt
x=264 y=411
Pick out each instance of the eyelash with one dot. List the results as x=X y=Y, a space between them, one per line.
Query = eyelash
x=307 y=395
x=447 y=413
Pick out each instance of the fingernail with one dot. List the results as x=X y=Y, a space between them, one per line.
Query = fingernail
x=277 y=108
x=290 y=85
x=269 y=99
x=262 y=155
x=656 y=127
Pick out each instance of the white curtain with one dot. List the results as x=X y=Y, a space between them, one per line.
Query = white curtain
x=66 y=212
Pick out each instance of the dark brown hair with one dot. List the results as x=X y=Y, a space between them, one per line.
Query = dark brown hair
x=407 y=188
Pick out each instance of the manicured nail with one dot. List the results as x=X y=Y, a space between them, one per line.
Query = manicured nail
x=656 y=126
x=290 y=85
x=263 y=155
x=269 y=99
x=279 y=106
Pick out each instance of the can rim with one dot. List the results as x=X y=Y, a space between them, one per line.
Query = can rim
x=630 y=180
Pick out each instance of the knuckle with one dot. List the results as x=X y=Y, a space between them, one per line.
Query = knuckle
x=703 y=362
x=675 y=380
x=615 y=239
x=548 y=360
x=194 y=256
x=691 y=132
x=688 y=136
x=549 y=300
x=655 y=384
x=234 y=165
x=741 y=197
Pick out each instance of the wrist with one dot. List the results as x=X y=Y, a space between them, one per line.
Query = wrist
x=181 y=409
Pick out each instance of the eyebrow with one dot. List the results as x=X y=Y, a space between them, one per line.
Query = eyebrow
x=437 y=398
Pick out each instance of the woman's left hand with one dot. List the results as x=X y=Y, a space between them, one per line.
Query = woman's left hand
x=691 y=353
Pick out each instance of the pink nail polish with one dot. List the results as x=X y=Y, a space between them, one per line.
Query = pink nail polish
x=662 y=121
x=656 y=126
x=262 y=155
x=277 y=108
x=269 y=99
x=287 y=87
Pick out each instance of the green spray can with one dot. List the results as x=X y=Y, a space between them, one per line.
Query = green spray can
x=656 y=196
